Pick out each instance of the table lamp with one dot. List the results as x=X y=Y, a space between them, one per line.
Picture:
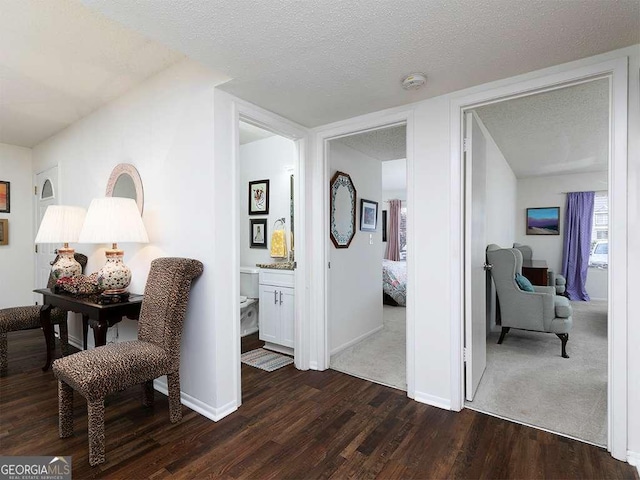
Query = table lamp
x=113 y=220
x=62 y=224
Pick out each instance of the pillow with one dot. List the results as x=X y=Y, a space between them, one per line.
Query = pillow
x=524 y=283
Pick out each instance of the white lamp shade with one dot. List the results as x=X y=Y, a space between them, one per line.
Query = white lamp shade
x=113 y=220
x=61 y=224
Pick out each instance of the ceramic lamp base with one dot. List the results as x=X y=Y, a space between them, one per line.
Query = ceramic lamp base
x=66 y=266
x=114 y=277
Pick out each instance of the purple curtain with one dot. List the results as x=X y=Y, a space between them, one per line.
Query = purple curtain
x=577 y=243
x=393 y=242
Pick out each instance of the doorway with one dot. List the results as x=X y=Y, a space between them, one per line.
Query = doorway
x=46 y=192
x=367 y=274
x=524 y=156
x=616 y=71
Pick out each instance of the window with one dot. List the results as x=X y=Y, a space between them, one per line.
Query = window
x=403 y=233
x=599 y=255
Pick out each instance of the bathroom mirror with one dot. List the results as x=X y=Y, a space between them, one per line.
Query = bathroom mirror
x=125 y=182
x=342 y=216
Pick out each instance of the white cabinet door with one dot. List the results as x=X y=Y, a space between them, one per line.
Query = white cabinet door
x=287 y=313
x=269 y=313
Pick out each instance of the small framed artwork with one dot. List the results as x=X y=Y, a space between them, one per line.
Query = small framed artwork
x=4 y=231
x=384 y=225
x=259 y=197
x=5 y=197
x=368 y=215
x=543 y=221
x=258 y=232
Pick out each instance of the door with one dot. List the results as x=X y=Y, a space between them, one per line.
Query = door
x=287 y=312
x=269 y=313
x=47 y=194
x=475 y=245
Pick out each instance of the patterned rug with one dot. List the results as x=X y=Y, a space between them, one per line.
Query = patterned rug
x=265 y=360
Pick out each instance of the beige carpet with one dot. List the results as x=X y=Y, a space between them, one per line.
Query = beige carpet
x=528 y=381
x=381 y=357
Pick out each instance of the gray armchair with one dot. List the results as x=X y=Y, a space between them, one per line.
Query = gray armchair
x=538 y=311
x=553 y=279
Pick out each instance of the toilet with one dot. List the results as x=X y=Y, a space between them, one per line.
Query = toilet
x=249 y=293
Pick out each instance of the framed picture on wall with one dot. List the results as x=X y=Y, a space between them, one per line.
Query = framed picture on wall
x=259 y=197
x=543 y=221
x=4 y=231
x=368 y=215
x=258 y=232
x=5 y=197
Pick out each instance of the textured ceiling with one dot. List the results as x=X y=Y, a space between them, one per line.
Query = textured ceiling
x=59 y=61
x=250 y=133
x=316 y=62
x=558 y=132
x=382 y=144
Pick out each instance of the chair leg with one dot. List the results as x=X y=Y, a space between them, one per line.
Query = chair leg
x=147 y=394
x=3 y=353
x=504 y=332
x=175 y=407
x=64 y=338
x=65 y=410
x=95 y=411
x=565 y=338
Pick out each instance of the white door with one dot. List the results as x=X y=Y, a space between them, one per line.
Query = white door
x=475 y=245
x=269 y=313
x=46 y=194
x=286 y=299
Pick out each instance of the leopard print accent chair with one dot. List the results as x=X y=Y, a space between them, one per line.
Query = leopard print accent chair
x=117 y=366
x=25 y=318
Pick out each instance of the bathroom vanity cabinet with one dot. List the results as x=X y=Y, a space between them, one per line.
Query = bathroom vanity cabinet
x=277 y=309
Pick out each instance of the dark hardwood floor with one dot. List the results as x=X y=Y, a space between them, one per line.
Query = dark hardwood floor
x=292 y=424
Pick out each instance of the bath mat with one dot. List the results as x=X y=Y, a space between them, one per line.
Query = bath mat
x=265 y=360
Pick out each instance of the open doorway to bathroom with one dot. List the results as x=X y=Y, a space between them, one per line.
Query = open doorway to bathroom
x=266 y=167
x=368 y=273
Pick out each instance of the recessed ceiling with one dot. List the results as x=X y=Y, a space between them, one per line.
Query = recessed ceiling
x=559 y=132
x=59 y=61
x=250 y=133
x=382 y=144
x=318 y=62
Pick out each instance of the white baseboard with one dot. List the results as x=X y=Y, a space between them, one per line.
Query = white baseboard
x=313 y=365
x=634 y=459
x=432 y=400
x=196 y=405
x=76 y=342
x=355 y=340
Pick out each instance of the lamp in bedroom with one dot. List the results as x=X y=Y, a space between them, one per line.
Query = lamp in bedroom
x=62 y=224
x=113 y=220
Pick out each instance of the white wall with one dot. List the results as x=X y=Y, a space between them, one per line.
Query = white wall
x=16 y=258
x=550 y=191
x=165 y=127
x=272 y=158
x=356 y=272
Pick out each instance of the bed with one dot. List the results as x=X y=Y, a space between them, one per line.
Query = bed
x=394 y=283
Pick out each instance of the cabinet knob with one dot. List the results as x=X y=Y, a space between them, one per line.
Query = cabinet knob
x=280 y=297
x=275 y=297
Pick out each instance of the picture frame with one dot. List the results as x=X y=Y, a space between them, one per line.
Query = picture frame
x=368 y=215
x=259 y=197
x=258 y=233
x=543 y=221
x=384 y=225
x=4 y=231
x=5 y=197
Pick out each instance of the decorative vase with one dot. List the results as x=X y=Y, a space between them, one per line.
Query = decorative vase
x=114 y=277
x=66 y=266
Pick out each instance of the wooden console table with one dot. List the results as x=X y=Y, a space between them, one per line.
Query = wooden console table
x=535 y=271
x=99 y=316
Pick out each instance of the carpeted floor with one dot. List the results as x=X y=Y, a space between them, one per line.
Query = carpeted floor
x=381 y=357
x=528 y=381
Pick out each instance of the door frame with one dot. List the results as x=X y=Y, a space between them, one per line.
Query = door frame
x=36 y=217
x=319 y=313
x=259 y=117
x=617 y=71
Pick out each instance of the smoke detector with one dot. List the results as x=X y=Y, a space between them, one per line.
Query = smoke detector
x=414 y=81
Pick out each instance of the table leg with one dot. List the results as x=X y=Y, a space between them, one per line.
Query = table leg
x=99 y=333
x=47 y=329
x=85 y=330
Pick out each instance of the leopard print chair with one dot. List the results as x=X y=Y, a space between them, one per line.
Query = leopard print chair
x=25 y=318
x=117 y=366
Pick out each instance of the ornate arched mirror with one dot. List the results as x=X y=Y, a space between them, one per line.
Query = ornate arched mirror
x=125 y=182
x=342 y=216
